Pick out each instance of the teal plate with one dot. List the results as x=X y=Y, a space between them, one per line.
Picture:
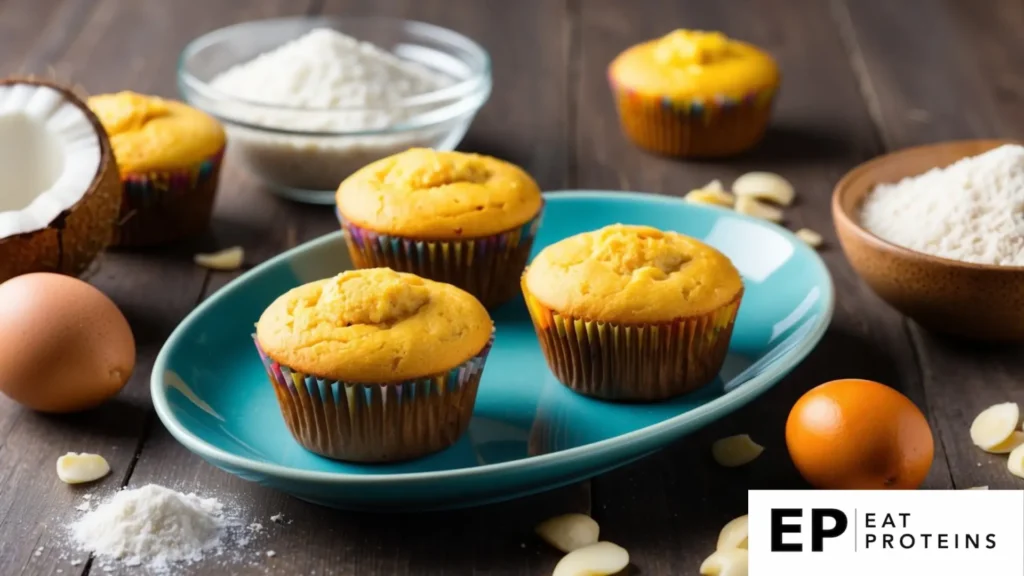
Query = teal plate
x=528 y=433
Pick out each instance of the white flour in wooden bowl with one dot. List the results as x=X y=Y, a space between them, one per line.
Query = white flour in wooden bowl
x=972 y=211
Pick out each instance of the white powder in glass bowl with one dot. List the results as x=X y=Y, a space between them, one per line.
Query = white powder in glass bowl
x=327 y=70
x=326 y=81
x=972 y=211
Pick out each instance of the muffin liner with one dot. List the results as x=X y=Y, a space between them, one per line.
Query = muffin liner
x=487 y=267
x=377 y=422
x=633 y=362
x=158 y=208
x=712 y=127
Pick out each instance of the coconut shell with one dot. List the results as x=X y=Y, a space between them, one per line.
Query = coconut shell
x=73 y=240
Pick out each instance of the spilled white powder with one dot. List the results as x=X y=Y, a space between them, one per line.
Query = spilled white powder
x=972 y=211
x=155 y=527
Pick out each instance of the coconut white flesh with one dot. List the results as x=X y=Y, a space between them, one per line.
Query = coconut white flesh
x=49 y=156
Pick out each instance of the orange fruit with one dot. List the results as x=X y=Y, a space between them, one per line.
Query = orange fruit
x=859 y=435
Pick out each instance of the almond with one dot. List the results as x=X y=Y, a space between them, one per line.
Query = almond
x=735 y=451
x=569 y=531
x=995 y=425
x=733 y=534
x=227 y=260
x=764 y=186
x=732 y=562
x=600 y=559
x=74 y=468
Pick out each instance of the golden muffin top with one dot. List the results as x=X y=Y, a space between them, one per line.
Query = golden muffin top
x=431 y=195
x=150 y=134
x=687 y=64
x=374 y=326
x=632 y=275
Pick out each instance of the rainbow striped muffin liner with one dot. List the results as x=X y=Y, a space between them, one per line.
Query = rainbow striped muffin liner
x=377 y=422
x=712 y=127
x=633 y=363
x=487 y=267
x=158 y=208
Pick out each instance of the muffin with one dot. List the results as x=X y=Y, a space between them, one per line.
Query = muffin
x=464 y=219
x=375 y=365
x=631 y=313
x=169 y=155
x=694 y=94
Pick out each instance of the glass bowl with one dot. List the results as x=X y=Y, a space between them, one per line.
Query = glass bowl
x=304 y=153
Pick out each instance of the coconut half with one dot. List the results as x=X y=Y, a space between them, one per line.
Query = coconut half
x=61 y=191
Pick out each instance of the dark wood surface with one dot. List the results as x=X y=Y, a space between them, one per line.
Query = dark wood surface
x=860 y=77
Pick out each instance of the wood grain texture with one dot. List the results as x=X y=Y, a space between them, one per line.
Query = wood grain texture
x=36 y=34
x=34 y=504
x=973 y=88
x=854 y=85
x=83 y=43
x=525 y=124
x=667 y=509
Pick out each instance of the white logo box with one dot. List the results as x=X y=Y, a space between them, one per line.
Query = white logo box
x=888 y=532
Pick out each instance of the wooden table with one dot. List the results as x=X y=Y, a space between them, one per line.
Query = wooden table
x=860 y=77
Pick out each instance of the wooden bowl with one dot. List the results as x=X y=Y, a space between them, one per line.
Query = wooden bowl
x=976 y=301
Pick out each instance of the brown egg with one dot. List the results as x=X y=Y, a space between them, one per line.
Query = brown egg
x=64 y=346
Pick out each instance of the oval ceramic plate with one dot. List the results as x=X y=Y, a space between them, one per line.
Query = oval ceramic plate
x=528 y=433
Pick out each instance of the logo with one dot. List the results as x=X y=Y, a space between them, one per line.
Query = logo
x=853 y=533
x=817 y=527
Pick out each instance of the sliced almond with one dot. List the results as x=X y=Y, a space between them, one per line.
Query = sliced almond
x=995 y=425
x=732 y=562
x=752 y=207
x=810 y=237
x=569 y=531
x=764 y=186
x=599 y=559
x=74 y=468
x=733 y=534
x=710 y=196
x=735 y=450
x=715 y=184
x=1015 y=463
x=229 y=259
x=1007 y=446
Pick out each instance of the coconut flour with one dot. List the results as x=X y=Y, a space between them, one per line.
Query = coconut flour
x=157 y=527
x=971 y=211
x=326 y=85
x=356 y=85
